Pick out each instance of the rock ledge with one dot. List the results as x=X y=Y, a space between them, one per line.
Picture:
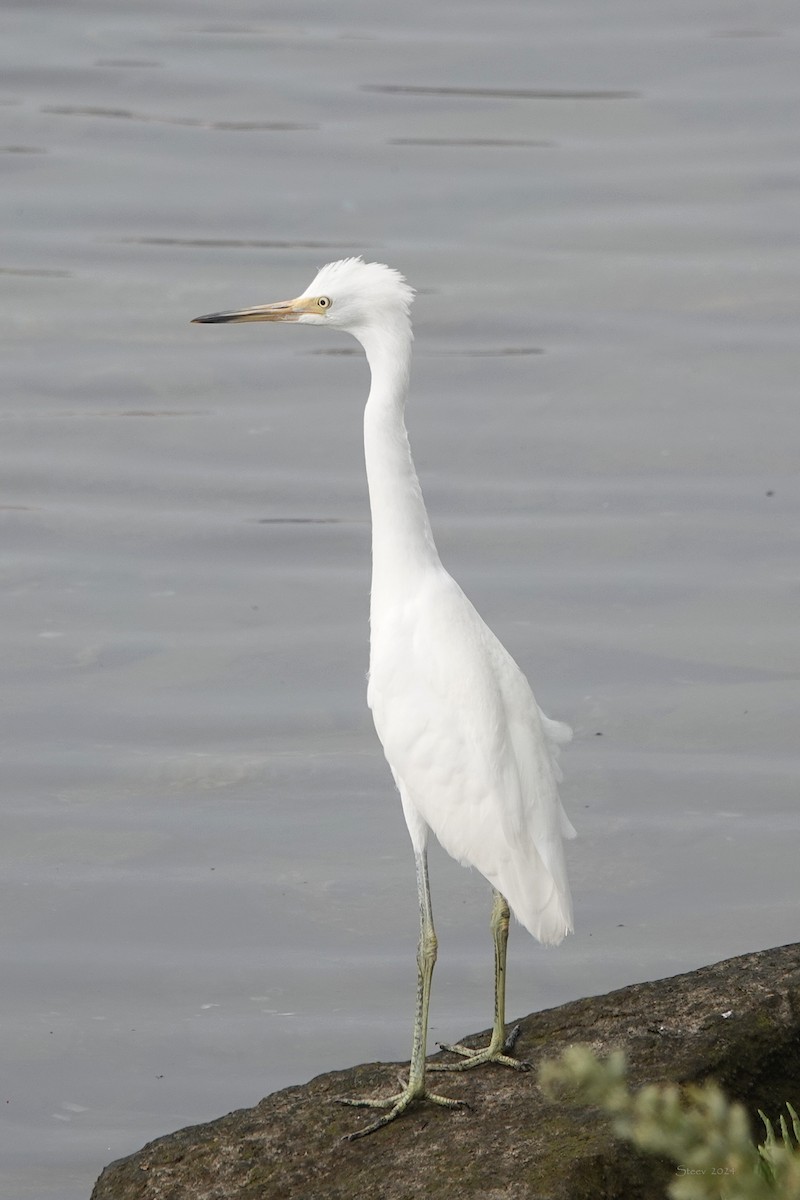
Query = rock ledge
x=737 y=1021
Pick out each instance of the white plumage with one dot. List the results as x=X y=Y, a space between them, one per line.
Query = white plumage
x=473 y=756
x=471 y=752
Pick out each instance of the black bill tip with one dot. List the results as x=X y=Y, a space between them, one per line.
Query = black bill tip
x=214 y=318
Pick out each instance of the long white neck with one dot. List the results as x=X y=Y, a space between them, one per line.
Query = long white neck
x=402 y=542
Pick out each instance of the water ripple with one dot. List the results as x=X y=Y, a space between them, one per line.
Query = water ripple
x=126 y=114
x=127 y=62
x=500 y=352
x=236 y=243
x=419 y=141
x=35 y=272
x=499 y=93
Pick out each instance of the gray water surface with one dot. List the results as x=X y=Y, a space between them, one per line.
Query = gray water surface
x=207 y=887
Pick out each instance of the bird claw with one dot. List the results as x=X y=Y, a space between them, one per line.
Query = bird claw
x=396 y=1105
x=512 y=1037
x=490 y=1054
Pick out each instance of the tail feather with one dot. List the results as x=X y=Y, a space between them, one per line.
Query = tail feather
x=540 y=902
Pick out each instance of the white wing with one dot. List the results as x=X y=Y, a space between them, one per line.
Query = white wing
x=470 y=749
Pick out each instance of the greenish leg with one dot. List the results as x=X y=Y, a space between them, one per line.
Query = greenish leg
x=415 y=1090
x=500 y=1046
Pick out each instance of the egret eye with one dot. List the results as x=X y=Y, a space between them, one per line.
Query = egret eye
x=323 y=302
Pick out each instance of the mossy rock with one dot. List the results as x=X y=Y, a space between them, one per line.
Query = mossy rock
x=737 y=1021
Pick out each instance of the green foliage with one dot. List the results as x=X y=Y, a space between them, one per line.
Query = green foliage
x=705 y=1134
x=775 y=1149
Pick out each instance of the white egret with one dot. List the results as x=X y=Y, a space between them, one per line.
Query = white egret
x=472 y=754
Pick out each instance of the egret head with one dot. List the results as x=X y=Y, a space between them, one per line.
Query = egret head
x=351 y=294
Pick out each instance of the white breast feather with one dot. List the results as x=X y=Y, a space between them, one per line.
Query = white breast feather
x=471 y=750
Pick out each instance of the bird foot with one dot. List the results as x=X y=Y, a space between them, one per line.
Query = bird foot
x=492 y=1053
x=396 y=1106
